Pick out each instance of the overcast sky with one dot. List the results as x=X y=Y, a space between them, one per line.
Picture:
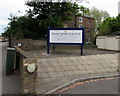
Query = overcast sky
x=13 y=6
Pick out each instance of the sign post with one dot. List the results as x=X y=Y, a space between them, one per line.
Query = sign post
x=48 y=49
x=81 y=49
x=65 y=36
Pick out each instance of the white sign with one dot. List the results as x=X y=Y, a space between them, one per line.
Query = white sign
x=65 y=36
x=31 y=68
x=19 y=44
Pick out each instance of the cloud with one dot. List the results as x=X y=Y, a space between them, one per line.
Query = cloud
x=3 y=22
x=111 y=6
x=10 y=6
x=13 y=6
x=3 y=25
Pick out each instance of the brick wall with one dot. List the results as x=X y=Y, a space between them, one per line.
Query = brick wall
x=87 y=23
x=71 y=23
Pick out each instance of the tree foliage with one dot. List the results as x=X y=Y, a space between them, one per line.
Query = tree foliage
x=109 y=26
x=99 y=16
x=85 y=11
x=40 y=16
x=22 y=27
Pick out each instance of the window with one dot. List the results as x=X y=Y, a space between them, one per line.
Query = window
x=88 y=39
x=88 y=30
x=88 y=21
x=80 y=25
x=80 y=19
x=88 y=34
x=65 y=25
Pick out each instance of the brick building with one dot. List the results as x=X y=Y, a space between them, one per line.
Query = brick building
x=86 y=22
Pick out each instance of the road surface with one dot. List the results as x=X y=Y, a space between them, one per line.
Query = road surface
x=109 y=86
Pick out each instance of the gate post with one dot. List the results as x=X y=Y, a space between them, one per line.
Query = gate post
x=10 y=61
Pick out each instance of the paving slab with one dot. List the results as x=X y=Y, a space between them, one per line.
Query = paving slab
x=64 y=69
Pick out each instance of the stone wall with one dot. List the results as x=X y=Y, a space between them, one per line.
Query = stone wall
x=25 y=42
x=30 y=45
x=28 y=80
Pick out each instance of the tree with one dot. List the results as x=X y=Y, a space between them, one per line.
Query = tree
x=109 y=26
x=50 y=14
x=99 y=16
x=40 y=16
x=45 y=10
x=20 y=27
x=85 y=11
x=104 y=28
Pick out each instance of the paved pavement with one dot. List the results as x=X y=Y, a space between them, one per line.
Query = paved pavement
x=54 y=72
x=10 y=84
x=104 y=86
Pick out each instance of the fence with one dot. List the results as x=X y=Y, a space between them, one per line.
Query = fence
x=108 y=42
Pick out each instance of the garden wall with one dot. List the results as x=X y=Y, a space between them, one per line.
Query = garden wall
x=30 y=45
